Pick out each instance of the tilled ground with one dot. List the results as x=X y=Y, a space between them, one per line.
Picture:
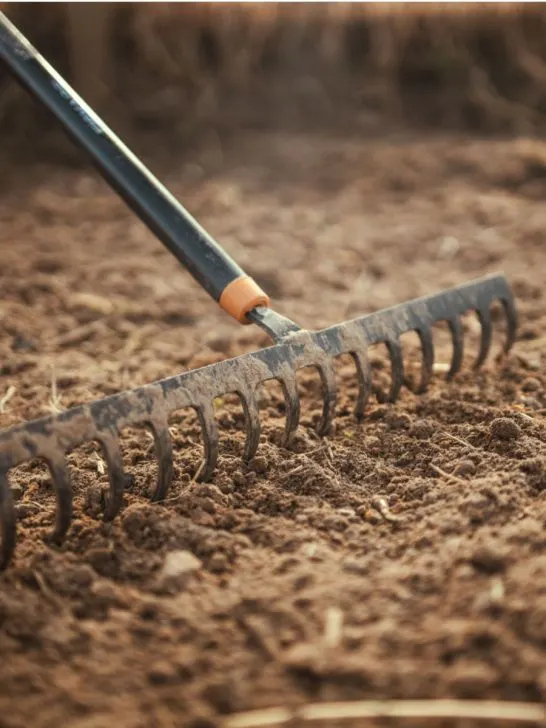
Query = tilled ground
x=402 y=557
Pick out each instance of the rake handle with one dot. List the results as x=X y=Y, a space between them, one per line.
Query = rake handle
x=236 y=292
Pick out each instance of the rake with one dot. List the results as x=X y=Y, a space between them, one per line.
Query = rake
x=51 y=438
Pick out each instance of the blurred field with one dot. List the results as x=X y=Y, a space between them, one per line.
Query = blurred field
x=470 y=65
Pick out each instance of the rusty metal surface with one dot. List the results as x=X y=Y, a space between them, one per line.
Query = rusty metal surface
x=52 y=437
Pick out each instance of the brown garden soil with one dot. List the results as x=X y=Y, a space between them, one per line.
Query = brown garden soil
x=403 y=557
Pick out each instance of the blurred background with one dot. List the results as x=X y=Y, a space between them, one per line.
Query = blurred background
x=186 y=67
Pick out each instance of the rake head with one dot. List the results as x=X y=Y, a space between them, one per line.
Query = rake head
x=51 y=438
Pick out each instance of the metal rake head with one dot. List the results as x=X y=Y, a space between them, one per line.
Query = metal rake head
x=51 y=438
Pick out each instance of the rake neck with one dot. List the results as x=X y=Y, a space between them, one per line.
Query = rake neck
x=276 y=326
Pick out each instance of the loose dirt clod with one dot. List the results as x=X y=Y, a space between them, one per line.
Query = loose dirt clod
x=465 y=468
x=503 y=428
x=489 y=560
x=531 y=384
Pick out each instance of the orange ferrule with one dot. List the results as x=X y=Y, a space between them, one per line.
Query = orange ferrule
x=241 y=296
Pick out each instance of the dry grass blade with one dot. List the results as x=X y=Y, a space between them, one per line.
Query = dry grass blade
x=54 y=404
x=6 y=398
x=487 y=710
x=459 y=440
x=445 y=474
x=101 y=465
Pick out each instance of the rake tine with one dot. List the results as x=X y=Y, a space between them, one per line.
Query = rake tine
x=511 y=321
x=210 y=441
x=8 y=521
x=63 y=491
x=362 y=366
x=116 y=476
x=164 y=451
x=457 y=337
x=292 y=399
x=328 y=380
x=397 y=372
x=427 y=362
x=252 y=424
x=484 y=315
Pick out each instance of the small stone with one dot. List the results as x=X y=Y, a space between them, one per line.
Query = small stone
x=488 y=560
x=464 y=468
x=259 y=464
x=504 y=428
x=531 y=384
x=178 y=564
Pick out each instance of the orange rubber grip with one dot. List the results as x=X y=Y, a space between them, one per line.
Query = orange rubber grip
x=241 y=296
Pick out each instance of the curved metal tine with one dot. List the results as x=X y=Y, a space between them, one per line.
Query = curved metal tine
x=210 y=441
x=63 y=490
x=427 y=360
x=7 y=521
x=511 y=322
x=329 y=395
x=484 y=315
x=364 y=376
x=458 y=347
x=292 y=400
x=164 y=452
x=116 y=476
x=252 y=424
x=397 y=372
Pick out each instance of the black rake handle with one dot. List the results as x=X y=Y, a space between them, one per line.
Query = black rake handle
x=207 y=262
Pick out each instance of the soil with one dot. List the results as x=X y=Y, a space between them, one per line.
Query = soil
x=402 y=557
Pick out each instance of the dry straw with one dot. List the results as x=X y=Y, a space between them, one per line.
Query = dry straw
x=492 y=711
